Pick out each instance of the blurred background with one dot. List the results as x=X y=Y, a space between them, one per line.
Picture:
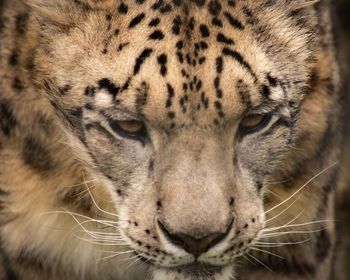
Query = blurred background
x=343 y=11
x=342 y=14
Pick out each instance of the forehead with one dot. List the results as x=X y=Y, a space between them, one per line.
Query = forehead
x=180 y=61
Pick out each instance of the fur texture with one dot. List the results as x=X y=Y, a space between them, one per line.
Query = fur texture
x=80 y=199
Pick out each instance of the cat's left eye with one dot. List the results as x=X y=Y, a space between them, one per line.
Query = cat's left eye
x=130 y=129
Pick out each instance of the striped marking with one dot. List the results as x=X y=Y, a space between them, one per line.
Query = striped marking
x=239 y=58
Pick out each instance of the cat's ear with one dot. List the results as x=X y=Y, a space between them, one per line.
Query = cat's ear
x=65 y=12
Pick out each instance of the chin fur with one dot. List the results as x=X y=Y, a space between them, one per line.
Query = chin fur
x=226 y=273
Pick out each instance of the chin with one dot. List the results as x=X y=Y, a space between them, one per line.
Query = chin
x=194 y=272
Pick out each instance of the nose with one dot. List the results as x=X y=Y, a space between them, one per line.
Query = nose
x=193 y=245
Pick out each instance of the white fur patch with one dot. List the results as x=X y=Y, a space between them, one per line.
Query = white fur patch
x=103 y=99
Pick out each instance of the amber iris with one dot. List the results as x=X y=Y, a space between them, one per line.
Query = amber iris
x=131 y=127
x=254 y=122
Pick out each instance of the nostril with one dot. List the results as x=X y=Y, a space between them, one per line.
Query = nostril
x=193 y=245
x=172 y=238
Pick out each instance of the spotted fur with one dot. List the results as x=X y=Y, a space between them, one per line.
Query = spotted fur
x=81 y=199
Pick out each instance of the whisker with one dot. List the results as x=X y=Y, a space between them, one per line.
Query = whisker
x=248 y=259
x=302 y=187
x=264 y=265
x=275 y=194
x=105 y=234
x=115 y=255
x=94 y=242
x=80 y=184
x=131 y=264
x=297 y=225
x=290 y=232
x=291 y=221
x=267 y=252
x=104 y=238
x=96 y=205
x=80 y=224
x=280 y=244
x=80 y=215
x=284 y=210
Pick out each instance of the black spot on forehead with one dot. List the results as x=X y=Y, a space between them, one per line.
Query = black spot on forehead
x=162 y=60
x=204 y=30
x=123 y=9
x=154 y=22
x=180 y=44
x=231 y=3
x=217 y=22
x=136 y=20
x=272 y=80
x=156 y=35
x=214 y=7
x=165 y=9
x=109 y=86
x=90 y=91
x=177 y=22
x=265 y=91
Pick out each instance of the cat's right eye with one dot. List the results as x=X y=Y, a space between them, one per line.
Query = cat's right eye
x=254 y=122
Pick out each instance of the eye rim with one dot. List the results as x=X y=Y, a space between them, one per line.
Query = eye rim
x=261 y=125
x=140 y=135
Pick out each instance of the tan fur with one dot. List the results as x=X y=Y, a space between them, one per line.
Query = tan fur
x=81 y=201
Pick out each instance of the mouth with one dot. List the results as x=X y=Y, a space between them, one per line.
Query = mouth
x=199 y=270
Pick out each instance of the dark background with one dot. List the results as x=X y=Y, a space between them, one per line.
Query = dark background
x=342 y=17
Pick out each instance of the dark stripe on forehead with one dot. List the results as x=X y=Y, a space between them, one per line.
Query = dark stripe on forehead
x=244 y=94
x=162 y=60
x=221 y=38
x=136 y=20
x=141 y=59
x=141 y=99
x=109 y=86
x=219 y=65
x=233 y=21
x=239 y=58
x=171 y=95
